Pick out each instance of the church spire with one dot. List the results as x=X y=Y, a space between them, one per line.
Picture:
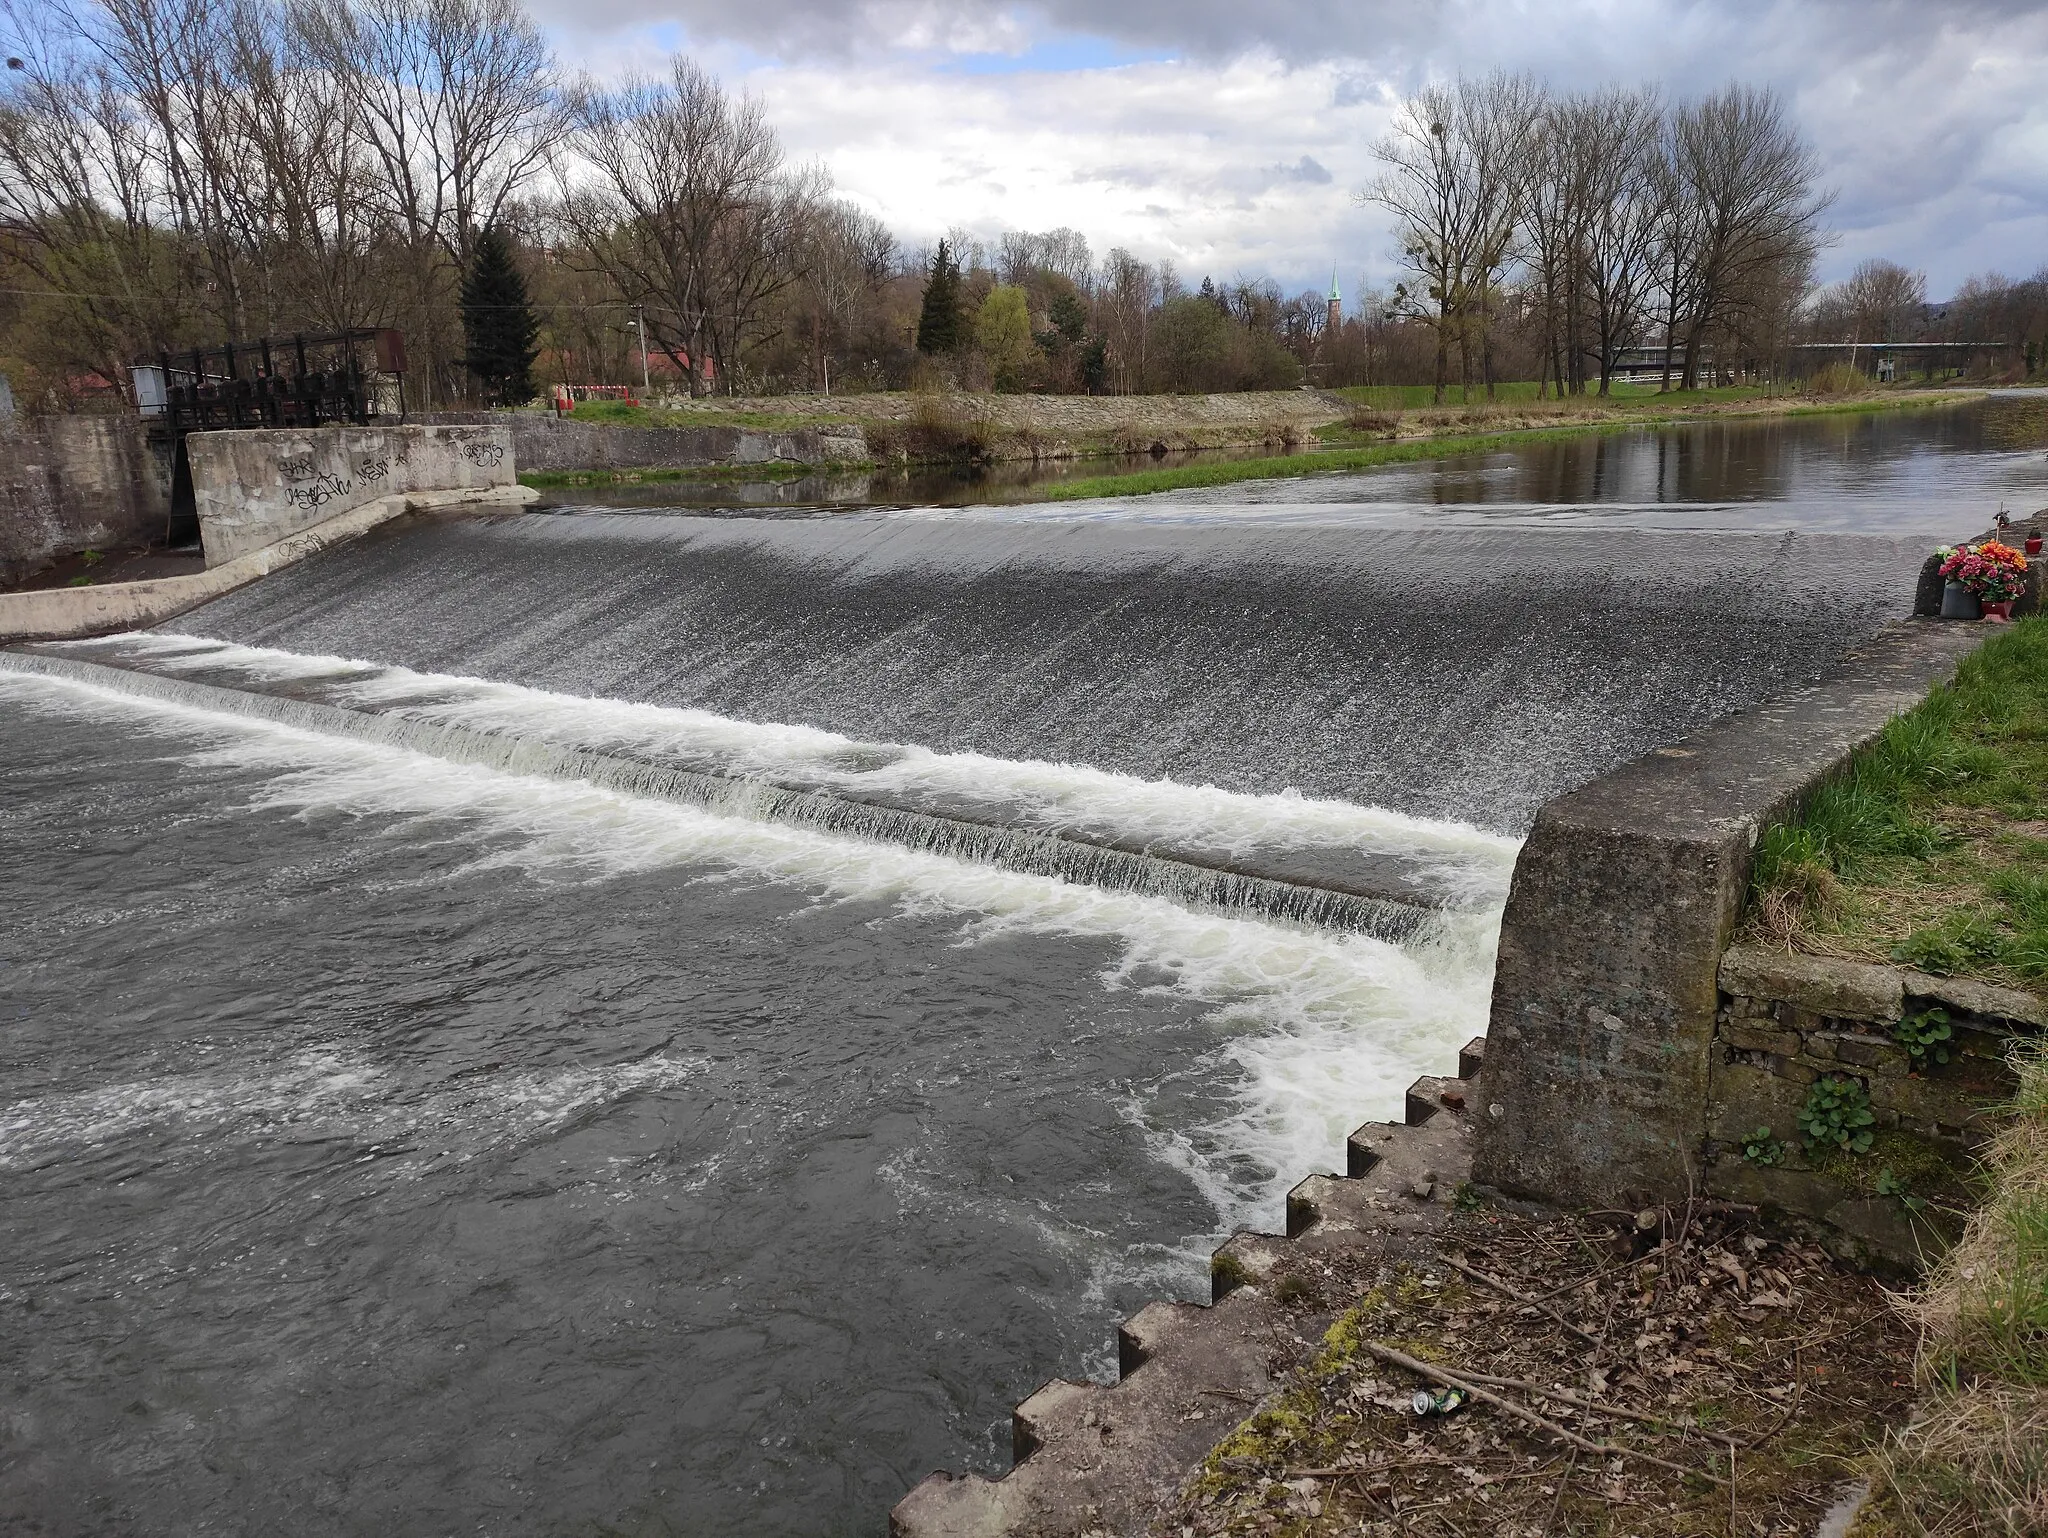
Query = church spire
x=1336 y=317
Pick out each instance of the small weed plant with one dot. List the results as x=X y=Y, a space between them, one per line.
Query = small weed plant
x=1837 y=1114
x=1926 y=1037
x=1762 y=1147
x=1899 y=1190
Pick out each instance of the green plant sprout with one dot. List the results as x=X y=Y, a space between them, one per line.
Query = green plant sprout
x=1837 y=1112
x=1925 y=1037
x=1760 y=1147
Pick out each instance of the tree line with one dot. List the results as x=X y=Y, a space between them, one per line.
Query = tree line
x=184 y=172
x=1610 y=215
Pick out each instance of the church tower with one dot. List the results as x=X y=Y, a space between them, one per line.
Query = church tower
x=1336 y=318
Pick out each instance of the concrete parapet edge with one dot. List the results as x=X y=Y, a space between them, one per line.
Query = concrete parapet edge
x=62 y=614
x=1623 y=901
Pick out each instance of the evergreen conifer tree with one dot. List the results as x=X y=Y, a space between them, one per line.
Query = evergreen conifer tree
x=498 y=323
x=938 y=326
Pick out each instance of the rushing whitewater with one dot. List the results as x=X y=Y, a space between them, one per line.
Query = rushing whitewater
x=422 y=1041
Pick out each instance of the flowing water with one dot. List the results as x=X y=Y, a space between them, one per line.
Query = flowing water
x=637 y=1021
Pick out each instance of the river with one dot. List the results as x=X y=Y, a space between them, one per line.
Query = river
x=399 y=1135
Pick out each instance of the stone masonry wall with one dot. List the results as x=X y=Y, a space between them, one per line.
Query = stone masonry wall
x=1787 y=1023
x=75 y=483
x=1625 y=896
x=543 y=442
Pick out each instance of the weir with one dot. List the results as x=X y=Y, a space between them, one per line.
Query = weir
x=1072 y=855
x=1465 y=674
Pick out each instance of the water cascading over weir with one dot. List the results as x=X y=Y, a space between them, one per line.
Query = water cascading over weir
x=1332 y=735
x=1457 y=674
x=1462 y=676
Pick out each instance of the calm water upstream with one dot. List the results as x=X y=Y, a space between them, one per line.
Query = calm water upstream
x=398 y=1143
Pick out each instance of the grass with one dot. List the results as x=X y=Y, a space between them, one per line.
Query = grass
x=1975 y=1459
x=1931 y=847
x=1141 y=482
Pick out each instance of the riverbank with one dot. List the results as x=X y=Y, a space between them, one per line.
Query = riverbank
x=1383 y=439
x=1682 y=1373
x=1312 y=431
x=1932 y=849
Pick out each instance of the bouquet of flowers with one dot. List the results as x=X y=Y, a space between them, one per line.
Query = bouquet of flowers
x=1995 y=573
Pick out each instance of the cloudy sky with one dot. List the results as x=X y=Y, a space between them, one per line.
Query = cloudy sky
x=1229 y=135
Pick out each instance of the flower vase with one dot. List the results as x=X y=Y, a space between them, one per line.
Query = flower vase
x=1997 y=613
x=1958 y=602
x=2033 y=544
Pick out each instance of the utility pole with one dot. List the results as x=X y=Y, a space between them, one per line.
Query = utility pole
x=640 y=325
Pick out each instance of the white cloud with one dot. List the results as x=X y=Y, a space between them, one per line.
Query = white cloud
x=995 y=114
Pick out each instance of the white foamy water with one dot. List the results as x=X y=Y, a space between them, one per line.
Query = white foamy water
x=1327 y=1028
x=1462 y=864
x=329 y=1093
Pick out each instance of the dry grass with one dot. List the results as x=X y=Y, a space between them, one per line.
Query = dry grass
x=1837 y=379
x=1974 y=1462
x=1368 y=422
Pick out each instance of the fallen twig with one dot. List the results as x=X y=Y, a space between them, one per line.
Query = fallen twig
x=1734 y=1519
x=1593 y=1406
x=1521 y=1412
x=1564 y=1480
x=1520 y=1297
x=1791 y=1409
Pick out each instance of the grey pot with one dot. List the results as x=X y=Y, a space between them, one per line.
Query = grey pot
x=1958 y=602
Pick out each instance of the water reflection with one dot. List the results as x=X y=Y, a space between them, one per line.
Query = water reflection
x=899 y=486
x=1936 y=471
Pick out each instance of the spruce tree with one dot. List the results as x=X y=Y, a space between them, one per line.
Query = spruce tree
x=938 y=326
x=498 y=323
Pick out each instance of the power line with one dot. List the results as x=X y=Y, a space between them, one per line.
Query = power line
x=608 y=304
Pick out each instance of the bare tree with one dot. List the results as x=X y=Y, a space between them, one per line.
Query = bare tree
x=1425 y=187
x=687 y=208
x=1753 y=183
x=1624 y=209
x=1883 y=300
x=1125 y=295
x=1497 y=120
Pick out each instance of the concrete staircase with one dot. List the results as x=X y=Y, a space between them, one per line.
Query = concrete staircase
x=1099 y=1459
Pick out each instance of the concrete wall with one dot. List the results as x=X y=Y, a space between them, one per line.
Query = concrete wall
x=1787 y=1022
x=543 y=442
x=65 y=613
x=257 y=487
x=76 y=483
x=1601 y=1046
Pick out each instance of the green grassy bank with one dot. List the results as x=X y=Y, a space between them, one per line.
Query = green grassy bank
x=1931 y=849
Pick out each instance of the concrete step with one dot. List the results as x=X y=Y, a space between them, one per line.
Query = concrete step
x=1428 y=1095
x=1245 y=1259
x=1094 y=1457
